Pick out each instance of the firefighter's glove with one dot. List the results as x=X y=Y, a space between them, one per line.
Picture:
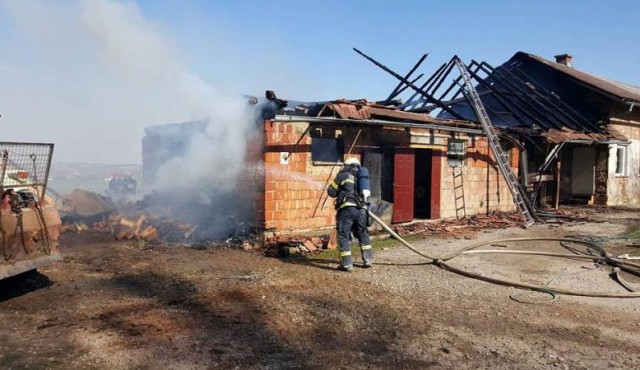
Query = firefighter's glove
x=365 y=194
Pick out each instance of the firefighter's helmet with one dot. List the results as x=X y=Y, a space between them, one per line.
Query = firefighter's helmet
x=352 y=161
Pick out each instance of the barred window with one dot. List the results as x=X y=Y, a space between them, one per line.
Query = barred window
x=456 y=152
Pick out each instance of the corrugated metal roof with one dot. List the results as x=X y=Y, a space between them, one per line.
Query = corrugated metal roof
x=618 y=89
x=364 y=110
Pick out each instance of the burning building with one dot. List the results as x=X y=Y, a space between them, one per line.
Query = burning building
x=565 y=136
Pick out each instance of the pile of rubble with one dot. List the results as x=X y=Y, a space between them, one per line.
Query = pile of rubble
x=461 y=227
x=86 y=211
x=140 y=227
x=496 y=220
x=280 y=246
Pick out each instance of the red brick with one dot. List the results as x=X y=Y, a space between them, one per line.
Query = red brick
x=270 y=206
x=311 y=246
x=270 y=186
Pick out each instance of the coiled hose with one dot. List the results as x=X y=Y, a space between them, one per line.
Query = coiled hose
x=603 y=257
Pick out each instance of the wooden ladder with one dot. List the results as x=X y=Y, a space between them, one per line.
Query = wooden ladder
x=458 y=192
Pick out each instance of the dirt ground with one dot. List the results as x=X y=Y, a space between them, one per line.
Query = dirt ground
x=119 y=306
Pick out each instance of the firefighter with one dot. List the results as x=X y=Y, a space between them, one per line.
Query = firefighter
x=351 y=190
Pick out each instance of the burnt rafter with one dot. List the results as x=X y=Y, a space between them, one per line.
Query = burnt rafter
x=526 y=103
x=516 y=81
x=456 y=82
x=405 y=87
x=524 y=116
x=553 y=98
x=412 y=99
x=414 y=87
x=508 y=93
x=396 y=91
x=531 y=99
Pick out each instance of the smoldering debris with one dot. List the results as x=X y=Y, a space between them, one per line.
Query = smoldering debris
x=292 y=245
x=85 y=205
x=177 y=218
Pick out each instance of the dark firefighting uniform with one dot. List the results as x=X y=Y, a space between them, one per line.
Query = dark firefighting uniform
x=352 y=214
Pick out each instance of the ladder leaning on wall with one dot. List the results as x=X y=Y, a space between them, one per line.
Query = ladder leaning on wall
x=458 y=192
x=502 y=159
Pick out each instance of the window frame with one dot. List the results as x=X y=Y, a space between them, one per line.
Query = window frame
x=457 y=156
x=625 y=160
x=339 y=145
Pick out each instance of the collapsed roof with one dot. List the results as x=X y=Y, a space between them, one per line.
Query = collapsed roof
x=527 y=95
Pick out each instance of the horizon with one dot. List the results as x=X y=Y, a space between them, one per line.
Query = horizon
x=89 y=76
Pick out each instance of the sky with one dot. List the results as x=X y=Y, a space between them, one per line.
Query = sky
x=89 y=75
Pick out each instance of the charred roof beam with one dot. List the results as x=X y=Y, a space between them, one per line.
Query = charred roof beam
x=517 y=111
x=405 y=87
x=441 y=80
x=554 y=99
x=531 y=111
x=552 y=111
x=396 y=91
x=414 y=87
x=455 y=83
x=557 y=110
x=426 y=86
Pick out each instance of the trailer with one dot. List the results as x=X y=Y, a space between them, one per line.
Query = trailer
x=30 y=224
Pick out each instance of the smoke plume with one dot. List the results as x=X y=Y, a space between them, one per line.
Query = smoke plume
x=89 y=75
x=92 y=74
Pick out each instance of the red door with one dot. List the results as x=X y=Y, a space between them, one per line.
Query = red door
x=436 y=177
x=403 y=182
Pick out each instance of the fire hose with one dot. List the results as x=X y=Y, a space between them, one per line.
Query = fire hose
x=604 y=257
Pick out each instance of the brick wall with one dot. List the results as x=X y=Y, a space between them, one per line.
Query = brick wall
x=484 y=187
x=295 y=188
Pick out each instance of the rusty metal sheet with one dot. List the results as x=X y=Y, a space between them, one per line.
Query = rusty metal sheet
x=348 y=110
x=402 y=115
x=558 y=136
x=363 y=110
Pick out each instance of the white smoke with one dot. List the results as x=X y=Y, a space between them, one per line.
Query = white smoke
x=91 y=74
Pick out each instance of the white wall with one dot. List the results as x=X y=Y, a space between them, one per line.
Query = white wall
x=624 y=189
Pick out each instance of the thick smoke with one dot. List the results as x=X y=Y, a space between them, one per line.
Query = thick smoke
x=89 y=75
x=103 y=73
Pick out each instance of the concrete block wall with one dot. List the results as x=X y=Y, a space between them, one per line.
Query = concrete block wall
x=485 y=190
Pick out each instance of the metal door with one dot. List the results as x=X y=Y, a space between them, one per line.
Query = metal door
x=583 y=171
x=403 y=183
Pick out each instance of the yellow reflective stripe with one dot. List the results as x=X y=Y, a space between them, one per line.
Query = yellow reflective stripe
x=334 y=185
x=365 y=247
x=347 y=181
x=347 y=204
x=344 y=254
